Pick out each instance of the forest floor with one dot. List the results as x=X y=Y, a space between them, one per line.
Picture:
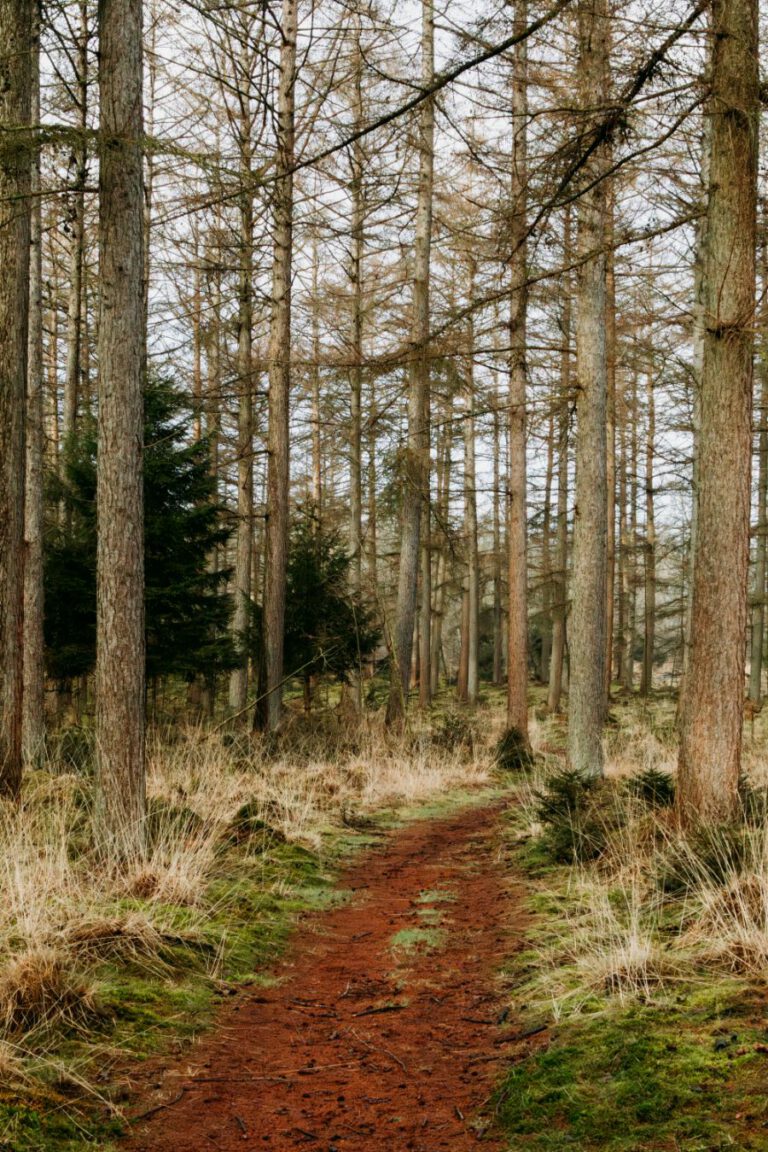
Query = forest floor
x=386 y=1025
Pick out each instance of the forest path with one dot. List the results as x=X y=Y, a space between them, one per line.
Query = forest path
x=386 y=1028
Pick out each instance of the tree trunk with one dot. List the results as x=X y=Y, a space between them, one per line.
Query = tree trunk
x=498 y=616
x=646 y=681
x=416 y=464
x=586 y=701
x=560 y=589
x=269 y=713
x=243 y=578
x=757 y=638
x=33 y=729
x=468 y=681
x=610 y=469
x=120 y=662
x=75 y=309
x=15 y=181
x=713 y=690
x=517 y=635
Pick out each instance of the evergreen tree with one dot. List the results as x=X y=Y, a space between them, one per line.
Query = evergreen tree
x=187 y=609
x=329 y=630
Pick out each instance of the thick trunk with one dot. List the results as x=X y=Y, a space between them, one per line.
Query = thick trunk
x=517 y=635
x=586 y=703
x=120 y=672
x=713 y=692
x=416 y=463
x=15 y=178
x=269 y=712
x=33 y=731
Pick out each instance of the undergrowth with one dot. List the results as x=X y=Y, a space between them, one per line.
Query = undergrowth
x=647 y=958
x=103 y=964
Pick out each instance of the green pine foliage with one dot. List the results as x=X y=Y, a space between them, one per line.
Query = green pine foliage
x=329 y=629
x=187 y=608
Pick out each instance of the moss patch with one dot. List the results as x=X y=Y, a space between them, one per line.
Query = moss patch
x=655 y=1078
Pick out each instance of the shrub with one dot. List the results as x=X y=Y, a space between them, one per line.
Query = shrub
x=711 y=855
x=578 y=812
x=654 y=787
x=512 y=752
x=454 y=729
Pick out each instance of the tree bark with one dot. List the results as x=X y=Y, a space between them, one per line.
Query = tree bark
x=243 y=577
x=560 y=588
x=120 y=661
x=586 y=703
x=33 y=727
x=75 y=309
x=416 y=465
x=757 y=636
x=269 y=712
x=517 y=635
x=15 y=183
x=649 y=642
x=713 y=690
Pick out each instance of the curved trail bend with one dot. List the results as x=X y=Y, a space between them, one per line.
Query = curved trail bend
x=386 y=1029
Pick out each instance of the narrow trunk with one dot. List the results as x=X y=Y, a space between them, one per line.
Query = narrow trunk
x=243 y=577
x=646 y=682
x=713 y=692
x=498 y=616
x=586 y=704
x=610 y=469
x=15 y=179
x=33 y=731
x=416 y=464
x=269 y=712
x=517 y=636
x=757 y=637
x=73 y=374
x=471 y=604
x=560 y=588
x=120 y=673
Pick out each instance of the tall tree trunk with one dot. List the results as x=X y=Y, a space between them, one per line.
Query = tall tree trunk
x=498 y=616
x=517 y=636
x=444 y=444
x=317 y=453
x=646 y=681
x=586 y=698
x=33 y=730
x=470 y=636
x=545 y=654
x=120 y=661
x=269 y=712
x=75 y=308
x=15 y=182
x=356 y=375
x=416 y=465
x=757 y=637
x=610 y=468
x=243 y=581
x=560 y=589
x=713 y=690
x=630 y=563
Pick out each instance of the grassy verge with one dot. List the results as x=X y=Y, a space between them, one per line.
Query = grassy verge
x=645 y=963
x=103 y=966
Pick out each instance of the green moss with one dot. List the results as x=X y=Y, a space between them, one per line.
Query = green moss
x=645 y=1078
x=419 y=939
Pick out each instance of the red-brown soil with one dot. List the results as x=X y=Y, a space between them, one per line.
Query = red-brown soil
x=364 y=1045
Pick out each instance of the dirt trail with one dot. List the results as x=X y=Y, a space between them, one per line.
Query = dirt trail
x=386 y=1029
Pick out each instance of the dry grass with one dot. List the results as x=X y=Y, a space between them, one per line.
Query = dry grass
x=66 y=908
x=657 y=908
